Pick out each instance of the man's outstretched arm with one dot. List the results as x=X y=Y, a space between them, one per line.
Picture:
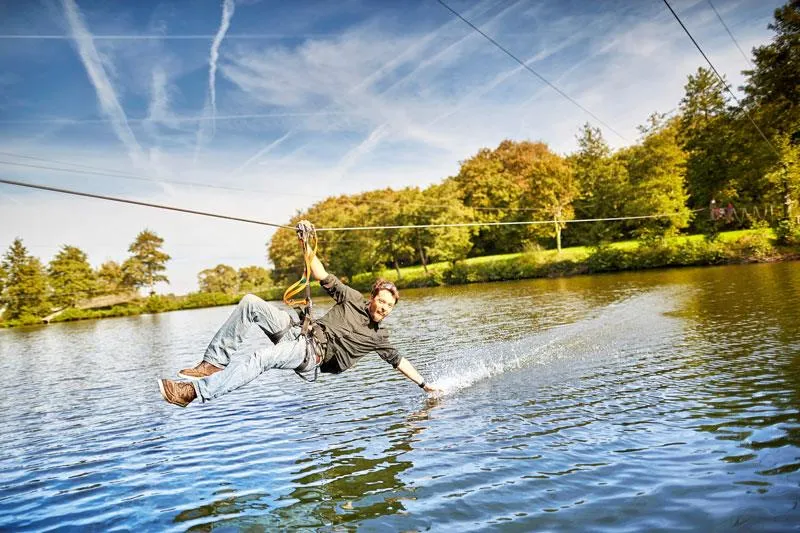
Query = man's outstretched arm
x=411 y=373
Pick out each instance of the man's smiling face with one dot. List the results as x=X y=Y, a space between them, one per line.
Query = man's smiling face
x=381 y=305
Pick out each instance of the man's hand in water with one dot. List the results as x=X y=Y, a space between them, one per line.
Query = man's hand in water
x=430 y=389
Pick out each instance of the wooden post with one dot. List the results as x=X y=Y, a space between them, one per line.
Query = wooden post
x=558 y=237
x=558 y=228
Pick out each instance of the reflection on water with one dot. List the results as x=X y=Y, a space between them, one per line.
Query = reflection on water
x=648 y=401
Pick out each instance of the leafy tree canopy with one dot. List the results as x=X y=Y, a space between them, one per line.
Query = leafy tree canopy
x=221 y=278
x=25 y=289
x=147 y=262
x=71 y=277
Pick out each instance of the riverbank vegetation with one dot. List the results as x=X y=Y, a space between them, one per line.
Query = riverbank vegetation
x=755 y=245
x=716 y=166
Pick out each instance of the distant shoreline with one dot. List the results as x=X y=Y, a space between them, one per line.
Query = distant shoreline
x=737 y=247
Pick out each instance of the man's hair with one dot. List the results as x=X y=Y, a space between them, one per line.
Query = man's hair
x=385 y=285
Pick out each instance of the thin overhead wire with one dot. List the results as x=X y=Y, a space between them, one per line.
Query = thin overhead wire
x=722 y=80
x=145 y=204
x=730 y=34
x=351 y=228
x=514 y=223
x=89 y=170
x=95 y=171
x=529 y=69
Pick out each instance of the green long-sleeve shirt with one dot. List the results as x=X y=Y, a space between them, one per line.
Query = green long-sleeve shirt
x=350 y=332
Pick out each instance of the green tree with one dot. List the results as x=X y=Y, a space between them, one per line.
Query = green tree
x=147 y=261
x=134 y=275
x=71 y=277
x=772 y=91
x=25 y=288
x=602 y=182
x=772 y=87
x=441 y=204
x=705 y=133
x=254 y=278
x=388 y=207
x=656 y=169
x=221 y=278
x=518 y=181
x=3 y=276
x=493 y=192
x=110 y=278
x=347 y=253
x=549 y=191
x=351 y=252
x=786 y=178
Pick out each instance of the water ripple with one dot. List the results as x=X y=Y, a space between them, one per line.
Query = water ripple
x=656 y=401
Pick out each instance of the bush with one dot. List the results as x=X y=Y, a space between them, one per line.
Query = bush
x=756 y=246
x=691 y=253
x=605 y=258
x=433 y=278
x=156 y=304
x=788 y=233
x=208 y=299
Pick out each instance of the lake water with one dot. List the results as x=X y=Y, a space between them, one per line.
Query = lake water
x=654 y=401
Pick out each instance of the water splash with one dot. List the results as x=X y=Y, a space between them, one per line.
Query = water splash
x=596 y=336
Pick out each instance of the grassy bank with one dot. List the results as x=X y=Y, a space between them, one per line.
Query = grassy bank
x=757 y=245
x=744 y=246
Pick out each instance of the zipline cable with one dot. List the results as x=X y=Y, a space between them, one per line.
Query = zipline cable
x=98 y=171
x=137 y=202
x=722 y=80
x=529 y=69
x=351 y=228
x=513 y=223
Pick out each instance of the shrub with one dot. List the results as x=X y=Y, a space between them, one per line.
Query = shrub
x=158 y=304
x=755 y=246
x=788 y=233
x=691 y=253
x=605 y=258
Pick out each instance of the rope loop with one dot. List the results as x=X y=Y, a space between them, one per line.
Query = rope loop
x=307 y=235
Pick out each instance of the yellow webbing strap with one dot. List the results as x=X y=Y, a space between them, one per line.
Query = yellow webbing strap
x=307 y=234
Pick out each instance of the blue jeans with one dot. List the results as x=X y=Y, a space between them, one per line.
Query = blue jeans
x=288 y=353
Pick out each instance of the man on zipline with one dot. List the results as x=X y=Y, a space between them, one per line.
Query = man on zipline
x=335 y=342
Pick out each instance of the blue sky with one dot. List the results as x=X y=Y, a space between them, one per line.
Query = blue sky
x=289 y=102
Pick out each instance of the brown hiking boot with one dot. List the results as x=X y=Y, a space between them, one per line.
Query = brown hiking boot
x=177 y=393
x=203 y=370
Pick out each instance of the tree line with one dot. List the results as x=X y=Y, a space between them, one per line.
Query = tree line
x=30 y=290
x=714 y=147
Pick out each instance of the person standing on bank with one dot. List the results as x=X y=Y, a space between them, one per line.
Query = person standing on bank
x=350 y=330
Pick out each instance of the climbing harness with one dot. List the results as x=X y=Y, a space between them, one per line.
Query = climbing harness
x=315 y=350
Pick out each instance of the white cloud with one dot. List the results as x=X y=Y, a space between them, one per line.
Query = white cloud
x=228 y=8
x=206 y=129
x=262 y=152
x=106 y=94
